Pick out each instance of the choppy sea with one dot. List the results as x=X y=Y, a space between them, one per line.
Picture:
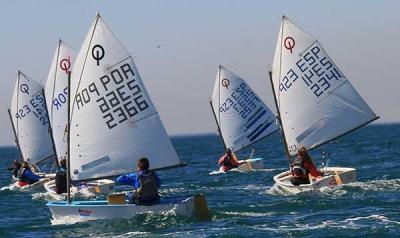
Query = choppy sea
x=241 y=204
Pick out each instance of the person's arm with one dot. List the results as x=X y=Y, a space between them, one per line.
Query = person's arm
x=128 y=179
x=313 y=170
x=234 y=157
x=221 y=160
x=31 y=176
x=234 y=162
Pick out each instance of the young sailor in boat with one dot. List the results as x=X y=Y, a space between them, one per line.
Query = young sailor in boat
x=26 y=176
x=145 y=182
x=61 y=177
x=302 y=167
x=15 y=168
x=228 y=161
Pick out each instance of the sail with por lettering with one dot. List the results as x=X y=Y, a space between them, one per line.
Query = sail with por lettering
x=56 y=92
x=30 y=120
x=317 y=103
x=113 y=120
x=242 y=116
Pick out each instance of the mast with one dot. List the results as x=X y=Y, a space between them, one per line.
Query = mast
x=212 y=108
x=50 y=129
x=15 y=133
x=219 y=128
x=68 y=141
x=279 y=118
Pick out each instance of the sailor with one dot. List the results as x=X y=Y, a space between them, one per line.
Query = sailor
x=302 y=167
x=228 y=161
x=61 y=177
x=145 y=182
x=26 y=176
x=15 y=168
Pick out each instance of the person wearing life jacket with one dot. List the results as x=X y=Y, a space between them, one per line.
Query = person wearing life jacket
x=15 y=168
x=228 y=161
x=145 y=182
x=61 y=177
x=26 y=176
x=302 y=167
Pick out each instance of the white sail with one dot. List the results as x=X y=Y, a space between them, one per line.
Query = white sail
x=30 y=120
x=317 y=103
x=242 y=116
x=56 y=92
x=113 y=120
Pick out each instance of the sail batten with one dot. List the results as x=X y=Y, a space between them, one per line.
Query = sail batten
x=243 y=118
x=316 y=101
x=29 y=116
x=113 y=120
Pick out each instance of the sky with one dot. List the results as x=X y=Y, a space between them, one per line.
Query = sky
x=178 y=45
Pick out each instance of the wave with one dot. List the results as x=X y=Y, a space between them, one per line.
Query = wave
x=353 y=223
x=249 y=214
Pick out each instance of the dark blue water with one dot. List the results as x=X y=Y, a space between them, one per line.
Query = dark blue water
x=240 y=203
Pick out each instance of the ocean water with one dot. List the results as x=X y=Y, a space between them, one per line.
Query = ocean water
x=241 y=204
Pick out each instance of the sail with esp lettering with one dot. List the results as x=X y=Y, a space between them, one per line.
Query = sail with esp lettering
x=242 y=116
x=56 y=92
x=30 y=120
x=113 y=120
x=317 y=102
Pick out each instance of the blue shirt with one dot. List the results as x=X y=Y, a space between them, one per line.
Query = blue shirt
x=133 y=180
x=30 y=176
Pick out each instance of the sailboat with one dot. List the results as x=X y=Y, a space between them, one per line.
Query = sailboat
x=30 y=123
x=241 y=116
x=315 y=101
x=56 y=94
x=112 y=123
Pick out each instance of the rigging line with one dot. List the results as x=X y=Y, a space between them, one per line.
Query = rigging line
x=219 y=102
x=50 y=128
x=280 y=62
x=280 y=120
x=83 y=67
x=18 y=93
x=218 y=121
x=54 y=83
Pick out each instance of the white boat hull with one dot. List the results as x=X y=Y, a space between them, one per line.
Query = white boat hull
x=332 y=176
x=249 y=165
x=103 y=186
x=35 y=186
x=80 y=211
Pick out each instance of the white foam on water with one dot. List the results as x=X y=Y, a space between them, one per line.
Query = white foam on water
x=216 y=172
x=133 y=233
x=66 y=220
x=172 y=190
x=349 y=223
x=249 y=214
x=47 y=196
x=11 y=187
x=374 y=217
x=392 y=185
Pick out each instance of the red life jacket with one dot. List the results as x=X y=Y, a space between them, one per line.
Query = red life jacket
x=22 y=183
